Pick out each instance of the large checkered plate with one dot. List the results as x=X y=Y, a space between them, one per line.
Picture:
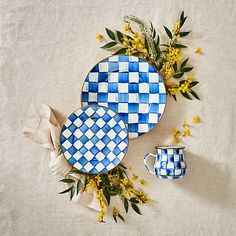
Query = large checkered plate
x=94 y=139
x=130 y=86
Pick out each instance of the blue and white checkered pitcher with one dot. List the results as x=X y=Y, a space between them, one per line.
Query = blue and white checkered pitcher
x=169 y=162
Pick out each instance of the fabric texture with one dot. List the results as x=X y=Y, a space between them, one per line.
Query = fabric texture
x=47 y=49
x=43 y=128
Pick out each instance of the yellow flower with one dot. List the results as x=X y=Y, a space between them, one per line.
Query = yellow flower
x=140 y=45
x=198 y=50
x=128 y=51
x=125 y=44
x=142 y=181
x=90 y=184
x=130 y=168
x=145 y=50
x=102 y=205
x=184 y=87
x=175 y=131
x=99 y=197
x=134 y=177
x=176 y=27
x=173 y=55
x=99 y=37
x=190 y=78
x=175 y=139
x=115 y=212
x=136 y=35
x=174 y=91
x=196 y=119
x=168 y=69
x=187 y=132
x=126 y=39
x=185 y=125
x=98 y=179
x=126 y=27
x=176 y=37
x=141 y=197
x=100 y=216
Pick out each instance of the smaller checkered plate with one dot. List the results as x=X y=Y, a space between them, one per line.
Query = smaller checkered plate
x=94 y=139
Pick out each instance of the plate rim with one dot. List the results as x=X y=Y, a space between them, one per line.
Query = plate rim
x=81 y=95
x=60 y=144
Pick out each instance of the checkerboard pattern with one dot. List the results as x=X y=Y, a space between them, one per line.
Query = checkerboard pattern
x=129 y=86
x=94 y=139
x=170 y=163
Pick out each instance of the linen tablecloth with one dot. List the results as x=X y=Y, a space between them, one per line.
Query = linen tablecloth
x=47 y=48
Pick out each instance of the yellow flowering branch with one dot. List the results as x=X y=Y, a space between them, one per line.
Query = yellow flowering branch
x=186 y=130
x=166 y=58
x=113 y=183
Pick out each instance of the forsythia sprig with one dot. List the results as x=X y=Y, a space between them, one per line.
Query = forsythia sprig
x=168 y=58
x=107 y=185
x=186 y=131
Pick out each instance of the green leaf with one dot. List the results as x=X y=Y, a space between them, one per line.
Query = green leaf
x=167 y=91
x=158 y=40
x=177 y=45
x=121 y=174
x=126 y=174
x=182 y=22
x=158 y=51
x=107 y=196
x=113 y=192
x=165 y=45
x=184 y=63
x=186 y=69
x=121 y=217
x=137 y=54
x=66 y=191
x=192 y=84
x=133 y=200
x=175 y=66
x=182 y=81
x=72 y=192
x=174 y=96
x=146 y=44
x=182 y=19
x=154 y=34
x=135 y=208
x=129 y=37
x=120 y=36
x=78 y=187
x=126 y=205
x=178 y=75
x=77 y=172
x=120 y=51
x=109 y=45
x=68 y=181
x=110 y=34
x=168 y=32
x=183 y=34
x=186 y=95
x=121 y=165
x=194 y=94
x=151 y=26
x=114 y=217
x=181 y=16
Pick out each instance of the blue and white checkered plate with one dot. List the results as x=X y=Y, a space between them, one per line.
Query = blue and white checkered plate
x=94 y=139
x=131 y=87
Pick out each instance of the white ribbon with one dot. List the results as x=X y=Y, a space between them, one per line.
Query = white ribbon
x=43 y=128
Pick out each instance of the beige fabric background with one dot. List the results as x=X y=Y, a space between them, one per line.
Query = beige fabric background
x=47 y=48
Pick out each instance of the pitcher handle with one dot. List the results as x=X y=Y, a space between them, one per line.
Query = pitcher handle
x=151 y=170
